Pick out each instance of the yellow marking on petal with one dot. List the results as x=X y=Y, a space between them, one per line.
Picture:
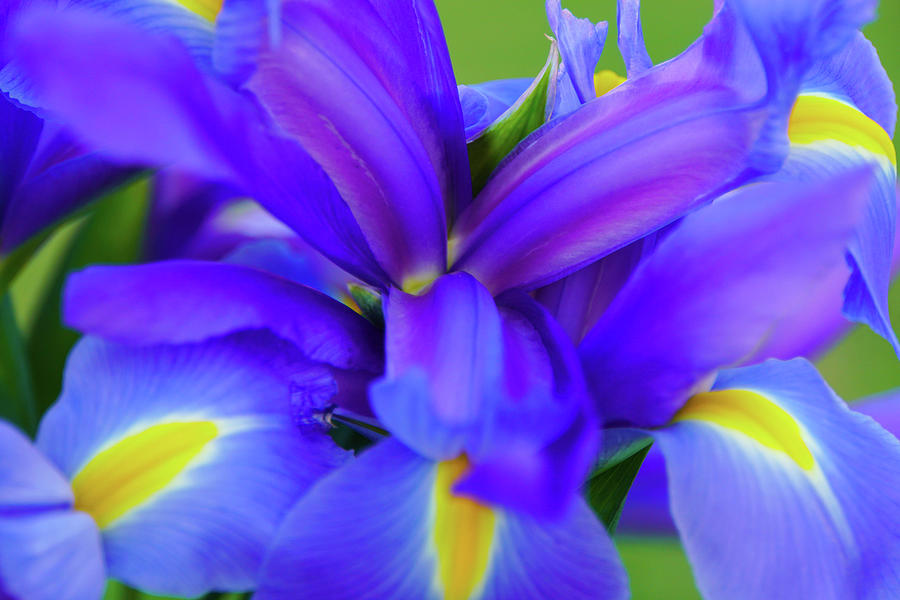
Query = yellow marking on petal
x=463 y=534
x=132 y=470
x=416 y=284
x=206 y=9
x=819 y=118
x=753 y=415
x=606 y=80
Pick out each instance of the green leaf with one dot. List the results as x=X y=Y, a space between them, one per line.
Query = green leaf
x=369 y=303
x=119 y=591
x=111 y=233
x=16 y=392
x=607 y=488
x=11 y=264
x=524 y=116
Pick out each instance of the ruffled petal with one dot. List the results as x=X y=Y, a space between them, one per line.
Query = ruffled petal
x=428 y=542
x=781 y=491
x=187 y=457
x=728 y=274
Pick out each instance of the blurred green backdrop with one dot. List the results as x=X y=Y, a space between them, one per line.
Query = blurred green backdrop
x=488 y=39
x=492 y=39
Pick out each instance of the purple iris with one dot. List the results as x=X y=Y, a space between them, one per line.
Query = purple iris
x=603 y=287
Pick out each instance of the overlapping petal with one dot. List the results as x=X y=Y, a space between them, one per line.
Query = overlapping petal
x=166 y=111
x=360 y=103
x=426 y=542
x=712 y=291
x=631 y=37
x=502 y=386
x=189 y=301
x=186 y=457
x=772 y=472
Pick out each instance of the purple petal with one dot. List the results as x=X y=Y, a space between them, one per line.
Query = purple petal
x=348 y=93
x=186 y=301
x=631 y=37
x=772 y=472
x=171 y=113
x=660 y=144
x=21 y=131
x=712 y=291
x=580 y=45
x=503 y=386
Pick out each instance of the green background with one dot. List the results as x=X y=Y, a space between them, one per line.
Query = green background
x=492 y=39
x=488 y=39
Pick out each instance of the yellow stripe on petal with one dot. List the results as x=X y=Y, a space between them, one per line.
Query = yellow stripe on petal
x=606 y=80
x=463 y=534
x=132 y=470
x=820 y=118
x=206 y=9
x=753 y=415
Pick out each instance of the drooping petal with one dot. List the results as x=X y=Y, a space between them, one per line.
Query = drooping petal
x=48 y=550
x=713 y=289
x=51 y=555
x=483 y=103
x=772 y=472
x=417 y=27
x=188 y=301
x=186 y=457
x=884 y=408
x=828 y=132
x=430 y=543
x=634 y=160
x=790 y=37
x=166 y=111
x=631 y=37
x=503 y=386
x=350 y=94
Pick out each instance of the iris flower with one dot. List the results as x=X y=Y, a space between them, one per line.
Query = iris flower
x=352 y=133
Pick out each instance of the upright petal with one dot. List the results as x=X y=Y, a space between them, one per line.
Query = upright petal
x=186 y=457
x=719 y=105
x=781 y=491
x=166 y=111
x=189 y=301
x=631 y=37
x=430 y=543
x=348 y=91
x=544 y=214
x=580 y=45
x=713 y=289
